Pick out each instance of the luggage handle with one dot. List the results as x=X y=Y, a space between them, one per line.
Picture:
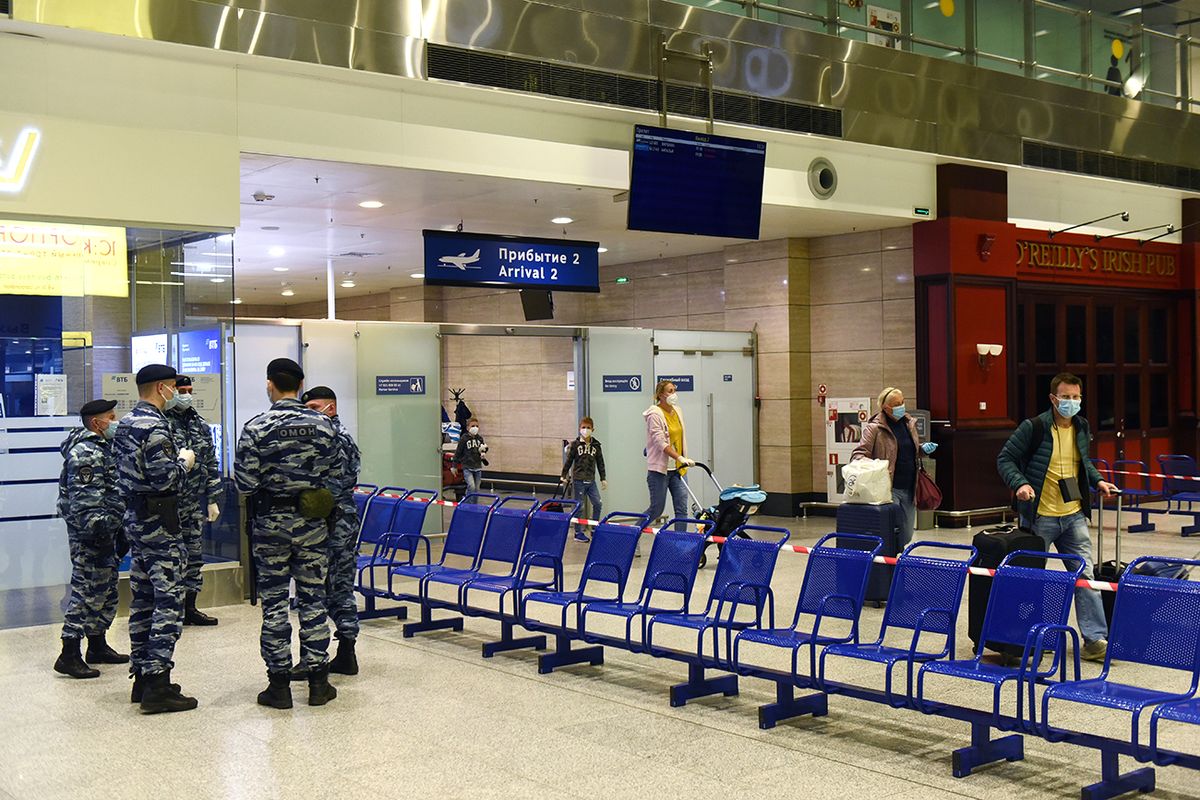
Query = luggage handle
x=1100 y=528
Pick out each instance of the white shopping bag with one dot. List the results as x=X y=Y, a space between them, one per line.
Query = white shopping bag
x=868 y=481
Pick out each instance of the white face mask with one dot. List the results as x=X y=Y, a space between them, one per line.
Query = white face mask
x=473 y=430
x=672 y=399
x=585 y=433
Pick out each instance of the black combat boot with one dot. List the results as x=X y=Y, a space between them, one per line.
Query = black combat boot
x=71 y=663
x=159 y=697
x=278 y=693
x=320 y=691
x=193 y=615
x=344 y=663
x=139 y=686
x=98 y=652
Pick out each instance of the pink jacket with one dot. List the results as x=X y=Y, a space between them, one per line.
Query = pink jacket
x=658 y=438
x=878 y=441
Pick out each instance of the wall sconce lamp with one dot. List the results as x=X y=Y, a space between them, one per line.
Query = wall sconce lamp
x=986 y=240
x=986 y=353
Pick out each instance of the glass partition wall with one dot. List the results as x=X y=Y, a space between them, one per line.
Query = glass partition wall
x=81 y=307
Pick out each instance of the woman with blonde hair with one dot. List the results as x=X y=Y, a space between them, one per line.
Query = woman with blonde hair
x=891 y=435
x=666 y=443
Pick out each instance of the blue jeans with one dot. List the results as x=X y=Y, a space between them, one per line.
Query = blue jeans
x=471 y=476
x=659 y=484
x=589 y=490
x=908 y=517
x=1070 y=535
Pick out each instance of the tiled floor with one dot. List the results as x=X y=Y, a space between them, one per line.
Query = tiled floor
x=428 y=717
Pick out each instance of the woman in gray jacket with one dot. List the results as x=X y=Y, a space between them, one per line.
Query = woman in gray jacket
x=891 y=435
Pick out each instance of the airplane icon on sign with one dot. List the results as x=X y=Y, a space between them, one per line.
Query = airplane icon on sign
x=462 y=260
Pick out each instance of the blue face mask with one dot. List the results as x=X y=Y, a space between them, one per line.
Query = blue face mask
x=1069 y=408
x=111 y=430
x=898 y=411
x=184 y=401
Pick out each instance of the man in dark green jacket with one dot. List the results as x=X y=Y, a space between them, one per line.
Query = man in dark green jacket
x=1045 y=462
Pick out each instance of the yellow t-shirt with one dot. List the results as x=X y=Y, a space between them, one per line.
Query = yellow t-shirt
x=1064 y=463
x=675 y=435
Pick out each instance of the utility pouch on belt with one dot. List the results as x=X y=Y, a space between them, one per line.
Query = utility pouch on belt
x=164 y=506
x=315 y=503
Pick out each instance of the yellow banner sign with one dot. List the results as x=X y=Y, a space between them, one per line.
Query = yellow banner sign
x=62 y=260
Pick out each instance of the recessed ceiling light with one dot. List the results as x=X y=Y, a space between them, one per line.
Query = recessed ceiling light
x=217 y=280
x=602 y=250
x=562 y=220
x=370 y=204
x=276 y=252
x=237 y=301
x=287 y=293
x=280 y=269
x=349 y=273
x=347 y=284
x=417 y=275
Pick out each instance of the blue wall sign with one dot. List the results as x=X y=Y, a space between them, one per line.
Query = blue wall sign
x=483 y=259
x=621 y=383
x=200 y=352
x=399 y=384
x=683 y=383
x=727 y=378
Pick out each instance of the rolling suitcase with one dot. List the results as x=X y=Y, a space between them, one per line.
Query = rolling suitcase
x=1110 y=571
x=991 y=546
x=882 y=520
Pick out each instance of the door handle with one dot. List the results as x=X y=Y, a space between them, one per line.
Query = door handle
x=712 y=444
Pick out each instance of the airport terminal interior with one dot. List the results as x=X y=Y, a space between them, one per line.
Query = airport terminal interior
x=577 y=398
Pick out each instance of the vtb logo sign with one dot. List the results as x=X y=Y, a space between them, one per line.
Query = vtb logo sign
x=16 y=162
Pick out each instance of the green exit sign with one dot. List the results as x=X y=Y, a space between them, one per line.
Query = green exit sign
x=921 y=212
x=622 y=279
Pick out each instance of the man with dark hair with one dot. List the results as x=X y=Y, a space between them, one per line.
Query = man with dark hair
x=150 y=470
x=287 y=461
x=343 y=535
x=198 y=496
x=1045 y=462
x=90 y=505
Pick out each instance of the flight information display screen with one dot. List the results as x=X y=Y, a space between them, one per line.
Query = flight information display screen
x=698 y=183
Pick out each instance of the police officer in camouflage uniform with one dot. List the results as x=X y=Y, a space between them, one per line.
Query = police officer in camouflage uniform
x=343 y=536
x=88 y=502
x=199 y=495
x=150 y=473
x=287 y=460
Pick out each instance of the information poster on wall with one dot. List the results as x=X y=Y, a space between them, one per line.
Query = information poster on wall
x=883 y=19
x=51 y=394
x=206 y=397
x=844 y=421
x=148 y=348
x=122 y=387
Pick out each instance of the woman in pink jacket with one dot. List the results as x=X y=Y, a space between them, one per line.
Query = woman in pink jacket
x=666 y=464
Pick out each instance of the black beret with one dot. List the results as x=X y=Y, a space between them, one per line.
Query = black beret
x=96 y=407
x=285 y=366
x=182 y=380
x=155 y=372
x=319 y=393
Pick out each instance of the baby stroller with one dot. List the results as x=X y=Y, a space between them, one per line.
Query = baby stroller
x=734 y=507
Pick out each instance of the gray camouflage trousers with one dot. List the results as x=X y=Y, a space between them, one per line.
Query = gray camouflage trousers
x=93 y=602
x=343 y=549
x=192 y=523
x=287 y=547
x=156 y=606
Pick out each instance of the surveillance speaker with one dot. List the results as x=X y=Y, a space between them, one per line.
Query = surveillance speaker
x=822 y=178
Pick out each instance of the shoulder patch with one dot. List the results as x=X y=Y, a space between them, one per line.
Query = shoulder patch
x=85 y=474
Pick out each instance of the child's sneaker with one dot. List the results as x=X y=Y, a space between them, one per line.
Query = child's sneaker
x=580 y=536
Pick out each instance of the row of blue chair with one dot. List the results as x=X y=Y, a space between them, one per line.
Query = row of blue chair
x=387 y=516
x=1182 y=486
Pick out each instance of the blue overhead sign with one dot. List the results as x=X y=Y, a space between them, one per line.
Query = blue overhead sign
x=399 y=384
x=621 y=383
x=683 y=383
x=482 y=259
x=200 y=352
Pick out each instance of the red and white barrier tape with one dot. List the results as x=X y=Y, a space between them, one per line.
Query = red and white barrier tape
x=1149 y=474
x=1103 y=586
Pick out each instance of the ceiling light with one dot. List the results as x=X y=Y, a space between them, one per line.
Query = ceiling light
x=276 y=252
x=1042 y=32
x=349 y=273
x=287 y=293
x=562 y=220
x=237 y=301
x=216 y=280
x=280 y=269
x=347 y=284
x=417 y=275
x=602 y=250
x=269 y=227
x=370 y=204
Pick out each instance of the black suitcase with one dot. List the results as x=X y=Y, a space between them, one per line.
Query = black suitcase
x=882 y=520
x=992 y=545
x=1110 y=571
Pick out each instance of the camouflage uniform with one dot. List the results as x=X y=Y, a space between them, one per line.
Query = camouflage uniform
x=280 y=453
x=201 y=486
x=148 y=465
x=343 y=539
x=89 y=503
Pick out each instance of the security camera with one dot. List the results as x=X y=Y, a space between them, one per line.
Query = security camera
x=510 y=331
x=260 y=196
x=1124 y=216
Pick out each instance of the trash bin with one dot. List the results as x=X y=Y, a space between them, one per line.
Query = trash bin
x=925 y=518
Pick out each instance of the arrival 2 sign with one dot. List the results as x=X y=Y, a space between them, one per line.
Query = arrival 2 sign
x=514 y=262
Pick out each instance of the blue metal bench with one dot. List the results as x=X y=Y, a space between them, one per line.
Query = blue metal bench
x=1156 y=622
x=742 y=582
x=1025 y=604
x=397 y=546
x=1186 y=712
x=375 y=524
x=363 y=493
x=463 y=538
x=545 y=539
x=608 y=560
x=835 y=582
x=670 y=570
x=501 y=548
x=1184 y=488
x=924 y=599
x=1136 y=490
